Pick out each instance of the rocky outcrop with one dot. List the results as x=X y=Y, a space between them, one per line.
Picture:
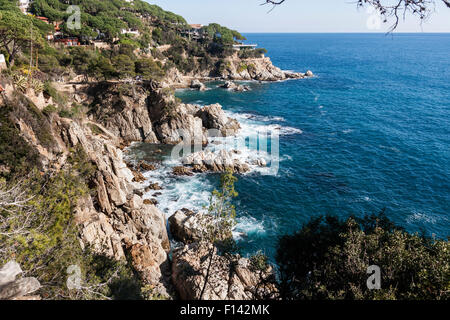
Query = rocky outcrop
x=16 y=289
x=309 y=73
x=148 y=112
x=196 y=84
x=213 y=117
x=181 y=124
x=146 y=166
x=207 y=161
x=230 y=277
x=176 y=122
x=182 y=171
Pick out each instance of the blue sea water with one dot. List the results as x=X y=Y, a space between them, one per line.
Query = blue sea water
x=373 y=133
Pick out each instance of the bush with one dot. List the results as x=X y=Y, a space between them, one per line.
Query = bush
x=259 y=262
x=252 y=53
x=74 y=112
x=328 y=259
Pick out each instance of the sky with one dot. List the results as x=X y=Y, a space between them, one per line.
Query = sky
x=298 y=16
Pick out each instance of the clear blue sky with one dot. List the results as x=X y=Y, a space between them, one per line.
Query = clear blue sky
x=295 y=16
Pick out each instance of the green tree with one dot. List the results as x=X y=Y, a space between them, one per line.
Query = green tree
x=101 y=68
x=81 y=60
x=17 y=32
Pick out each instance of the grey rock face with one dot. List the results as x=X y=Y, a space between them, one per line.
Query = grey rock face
x=124 y=112
x=122 y=222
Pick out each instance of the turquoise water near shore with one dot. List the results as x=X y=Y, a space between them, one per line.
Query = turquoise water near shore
x=370 y=131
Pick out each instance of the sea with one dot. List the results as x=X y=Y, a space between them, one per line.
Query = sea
x=370 y=132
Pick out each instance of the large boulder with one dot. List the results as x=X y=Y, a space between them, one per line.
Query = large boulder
x=185 y=226
x=181 y=124
x=230 y=85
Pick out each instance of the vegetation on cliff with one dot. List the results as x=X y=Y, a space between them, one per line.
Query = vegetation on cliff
x=328 y=259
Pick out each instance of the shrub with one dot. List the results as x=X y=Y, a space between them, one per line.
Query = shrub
x=259 y=262
x=41 y=236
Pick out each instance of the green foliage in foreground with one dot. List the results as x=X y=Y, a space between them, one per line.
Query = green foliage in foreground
x=328 y=259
